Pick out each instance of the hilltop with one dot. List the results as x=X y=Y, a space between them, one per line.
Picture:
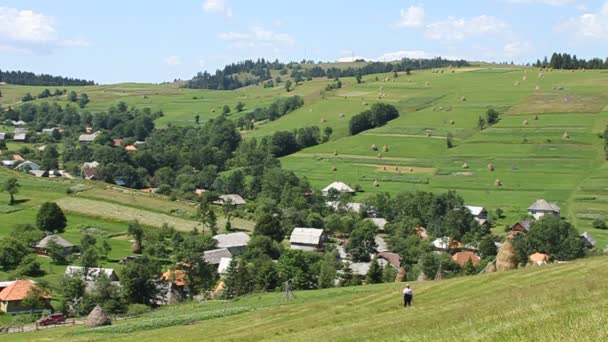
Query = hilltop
x=558 y=302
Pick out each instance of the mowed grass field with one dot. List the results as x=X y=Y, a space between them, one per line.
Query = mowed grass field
x=558 y=302
x=532 y=159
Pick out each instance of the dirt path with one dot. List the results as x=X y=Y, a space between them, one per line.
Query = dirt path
x=397 y=135
x=346 y=156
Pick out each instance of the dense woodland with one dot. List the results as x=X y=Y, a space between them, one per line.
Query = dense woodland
x=249 y=72
x=31 y=79
x=567 y=61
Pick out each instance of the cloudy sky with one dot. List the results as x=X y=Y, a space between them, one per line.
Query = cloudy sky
x=152 y=41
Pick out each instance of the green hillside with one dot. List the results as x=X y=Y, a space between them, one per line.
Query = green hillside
x=559 y=302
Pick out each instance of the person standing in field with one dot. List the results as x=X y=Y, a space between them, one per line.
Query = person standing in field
x=408 y=295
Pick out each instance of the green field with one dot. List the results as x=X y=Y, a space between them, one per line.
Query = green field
x=559 y=302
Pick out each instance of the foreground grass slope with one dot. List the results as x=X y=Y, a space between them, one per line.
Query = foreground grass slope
x=560 y=302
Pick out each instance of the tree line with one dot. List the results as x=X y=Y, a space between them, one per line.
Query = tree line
x=31 y=79
x=567 y=61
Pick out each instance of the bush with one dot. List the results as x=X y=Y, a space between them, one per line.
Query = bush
x=599 y=223
x=138 y=309
x=377 y=116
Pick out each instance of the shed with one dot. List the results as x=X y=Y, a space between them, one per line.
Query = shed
x=214 y=256
x=522 y=226
x=230 y=199
x=478 y=212
x=236 y=243
x=588 y=240
x=306 y=239
x=2 y=136
x=392 y=258
x=541 y=208
x=87 y=138
x=351 y=206
x=339 y=187
x=20 y=137
x=42 y=245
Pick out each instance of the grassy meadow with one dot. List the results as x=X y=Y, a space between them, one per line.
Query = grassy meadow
x=558 y=302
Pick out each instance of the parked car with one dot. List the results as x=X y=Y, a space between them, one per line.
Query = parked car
x=56 y=318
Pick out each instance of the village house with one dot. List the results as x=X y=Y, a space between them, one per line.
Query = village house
x=362 y=268
x=541 y=208
x=27 y=166
x=20 y=137
x=214 y=256
x=339 y=187
x=49 y=131
x=522 y=226
x=379 y=222
x=43 y=245
x=351 y=206
x=91 y=275
x=588 y=240
x=18 y=123
x=307 y=239
x=89 y=170
x=236 y=243
x=87 y=138
x=234 y=199
x=463 y=257
x=12 y=296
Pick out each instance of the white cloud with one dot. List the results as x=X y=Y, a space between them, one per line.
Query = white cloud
x=412 y=17
x=453 y=29
x=555 y=3
x=173 y=60
x=516 y=49
x=217 y=7
x=588 y=25
x=390 y=56
x=29 y=31
x=257 y=37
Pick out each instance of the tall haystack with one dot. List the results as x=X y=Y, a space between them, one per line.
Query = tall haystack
x=490 y=167
x=422 y=277
x=384 y=148
x=535 y=117
x=379 y=155
x=451 y=122
x=97 y=318
x=323 y=120
x=335 y=153
x=341 y=115
x=506 y=259
x=376 y=183
x=462 y=98
x=333 y=168
x=401 y=275
x=537 y=88
x=465 y=165
x=497 y=182
x=566 y=135
x=525 y=123
x=374 y=147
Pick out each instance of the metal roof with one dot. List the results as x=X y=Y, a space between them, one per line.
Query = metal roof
x=214 y=256
x=542 y=205
x=231 y=198
x=58 y=240
x=92 y=273
x=338 y=186
x=306 y=236
x=232 y=240
x=475 y=210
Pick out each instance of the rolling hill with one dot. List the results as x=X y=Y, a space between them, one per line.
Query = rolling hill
x=559 y=302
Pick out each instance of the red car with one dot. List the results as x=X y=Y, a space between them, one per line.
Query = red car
x=56 y=318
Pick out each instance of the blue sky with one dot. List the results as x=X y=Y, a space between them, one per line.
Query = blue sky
x=154 y=41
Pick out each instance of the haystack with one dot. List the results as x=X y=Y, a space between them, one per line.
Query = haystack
x=525 y=123
x=497 y=182
x=524 y=78
x=97 y=318
x=376 y=183
x=490 y=167
x=428 y=135
x=341 y=115
x=384 y=148
x=422 y=277
x=427 y=84
x=462 y=98
x=566 y=136
x=506 y=259
x=396 y=168
x=411 y=169
x=537 y=88
x=379 y=155
x=465 y=165
x=333 y=168
x=335 y=153
x=384 y=168
x=323 y=120
x=451 y=122
x=535 y=117
x=401 y=275
x=516 y=83
x=374 y=147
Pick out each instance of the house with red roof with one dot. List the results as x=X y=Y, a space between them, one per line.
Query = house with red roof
x=463 y=257
x=12 y=296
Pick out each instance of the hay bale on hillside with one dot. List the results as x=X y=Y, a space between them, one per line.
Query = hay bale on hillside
x=411 y=169
x=490 y=167
x=451 y=122
x=335 y=153
x=376 y=183
x=422 y=277
x=506 y=259
x=462 y=98
x=428 y=135
x=427 y=84
x=379 y=155
x=537 y=88
x=334 y=168
x=516 y=83
x=384 y=148
x=497 y=182
x=535 y=117
x=384 y=168
x=396 y=168
x=465 y=165
x=323 y=120
x=341 y=115
x=98 y=318
x=524 y=78
x=566 y=135
x=374 y=147
x=525 y=123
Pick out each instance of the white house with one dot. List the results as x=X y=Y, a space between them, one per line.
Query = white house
x=223 y=266
x=235 y=243
x=339 y=187
x=541 y=208
x=306 y=239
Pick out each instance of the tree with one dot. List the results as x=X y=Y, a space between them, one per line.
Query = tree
x=449 y=139
x=327 y=274
x=108 y=295
x=555 y=237
x=12 y=252
x=491 y=117
x=199 y=275
x=89 y=257
x=269 y=225
x=29 y=266
x=27 y=97
x=347 y=277
x=50 y=218
x=374 y=274
x=35 y=299
x=300 y=268
x=288 y=85
x=137 y=233
x=240 y=106
x=56 y=253
x=72 y=290
x=238 y=280
x=225 y=110
x=72 y=96
x=11 y=185
x=83 y=100
x=468 y=268
x=358 y=77
x=599 y=223
x=389 y=273
x=487 y=247
x=362 y=243
x=197 y=119
x=139 y=280
x=481 y=123
x=327 y=132
x=106 y=248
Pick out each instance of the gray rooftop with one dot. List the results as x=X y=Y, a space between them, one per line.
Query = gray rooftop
x=214 y=256
x=542 y=205
x=306 y=236
x=232 y=240
x=58 y=240
x=231 y=198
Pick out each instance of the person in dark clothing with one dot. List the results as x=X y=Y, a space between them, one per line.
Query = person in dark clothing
x=408 y=295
